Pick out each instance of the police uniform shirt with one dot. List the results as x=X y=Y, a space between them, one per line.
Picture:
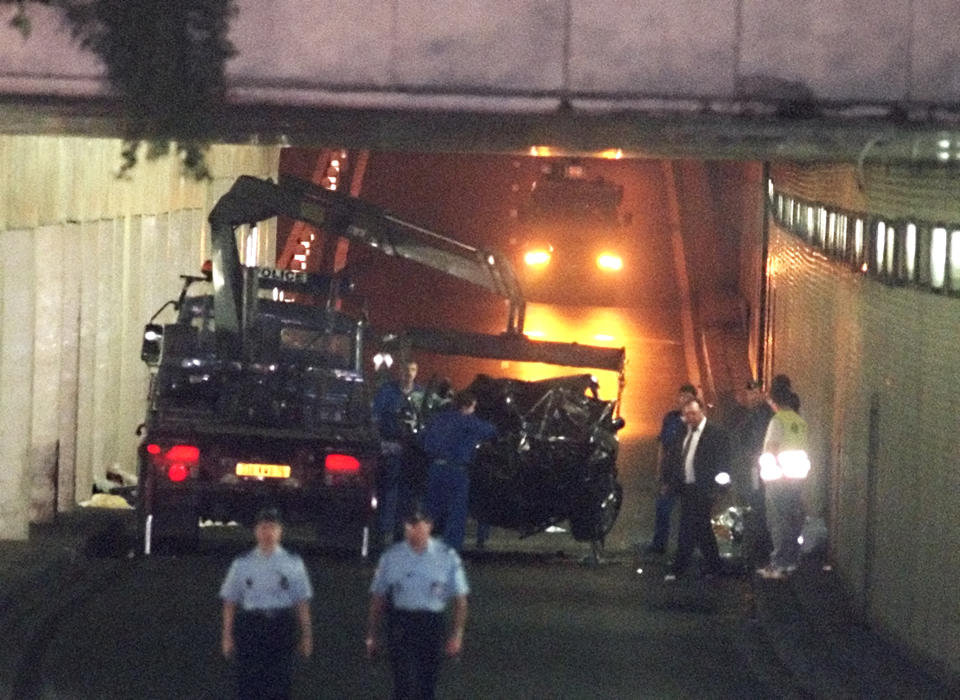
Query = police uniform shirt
x=256 y=581
x=420 y=581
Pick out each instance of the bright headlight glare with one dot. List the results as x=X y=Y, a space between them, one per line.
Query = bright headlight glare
x=609 y=261
x=537 y=258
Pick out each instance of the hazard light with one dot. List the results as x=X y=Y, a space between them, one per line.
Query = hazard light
x=341 y=464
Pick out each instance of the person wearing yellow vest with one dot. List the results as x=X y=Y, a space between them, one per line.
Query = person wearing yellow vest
x=784 y=466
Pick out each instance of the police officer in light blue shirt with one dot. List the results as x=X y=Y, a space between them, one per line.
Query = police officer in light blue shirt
x=414 y=582
x=266 y=601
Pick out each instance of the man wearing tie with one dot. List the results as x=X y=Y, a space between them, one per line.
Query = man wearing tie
x=705 y=455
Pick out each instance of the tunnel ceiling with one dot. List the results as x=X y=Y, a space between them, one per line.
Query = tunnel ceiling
x=788 y=132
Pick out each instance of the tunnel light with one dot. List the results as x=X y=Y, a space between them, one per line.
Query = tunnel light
x=953 y=261
x=880 y=242
x=888 y=252
x=938 y=257
x=611 y=154
x=541 y=151
x=537 y=258
x=609 y=261
x=858 y=238
x=534 y=334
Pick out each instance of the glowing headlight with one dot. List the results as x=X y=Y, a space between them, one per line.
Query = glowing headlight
x=537 y=258
x=609 y=261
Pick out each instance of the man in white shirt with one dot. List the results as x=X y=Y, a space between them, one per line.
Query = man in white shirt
x=704 y=455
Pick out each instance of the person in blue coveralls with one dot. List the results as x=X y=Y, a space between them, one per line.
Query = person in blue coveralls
x=450 y=440
x=397 y=410
x=412 y=587
x=266 y=613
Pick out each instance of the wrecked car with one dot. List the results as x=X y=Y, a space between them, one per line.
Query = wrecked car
x=555 y=459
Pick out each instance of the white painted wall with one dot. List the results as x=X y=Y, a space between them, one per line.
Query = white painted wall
x=85 y=260
x=422 y=53
x=849 y=342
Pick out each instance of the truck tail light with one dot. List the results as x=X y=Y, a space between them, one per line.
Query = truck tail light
x=176 y=461
x=341 y=464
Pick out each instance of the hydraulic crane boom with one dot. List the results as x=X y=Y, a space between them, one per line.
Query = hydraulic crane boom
x=251 y=200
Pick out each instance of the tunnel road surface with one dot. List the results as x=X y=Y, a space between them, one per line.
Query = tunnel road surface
x=542 y=625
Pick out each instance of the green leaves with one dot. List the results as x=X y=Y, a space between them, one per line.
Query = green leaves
x=165 y=60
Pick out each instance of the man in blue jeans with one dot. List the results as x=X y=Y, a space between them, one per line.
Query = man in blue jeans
x=672 y=432
x=450 y=441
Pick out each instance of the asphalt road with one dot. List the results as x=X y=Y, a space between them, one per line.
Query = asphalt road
x=543 y=625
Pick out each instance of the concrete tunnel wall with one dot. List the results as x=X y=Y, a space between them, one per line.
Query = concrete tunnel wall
x=411 y=53
x=862 y=353
x=85 y=261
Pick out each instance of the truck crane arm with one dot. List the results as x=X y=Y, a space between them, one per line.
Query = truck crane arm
x=251 y=200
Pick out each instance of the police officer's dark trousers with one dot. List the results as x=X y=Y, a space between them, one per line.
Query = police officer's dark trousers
x=416 y=649
x=265 y=642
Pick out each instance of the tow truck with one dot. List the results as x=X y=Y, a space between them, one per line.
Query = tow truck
x=258 y=393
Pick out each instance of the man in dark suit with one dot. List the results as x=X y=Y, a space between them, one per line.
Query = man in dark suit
x=705 y=454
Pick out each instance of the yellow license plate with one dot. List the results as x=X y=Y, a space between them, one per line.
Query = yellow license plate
x=267 y=471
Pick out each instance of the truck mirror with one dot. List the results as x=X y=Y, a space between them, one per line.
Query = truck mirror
x=152 y=343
